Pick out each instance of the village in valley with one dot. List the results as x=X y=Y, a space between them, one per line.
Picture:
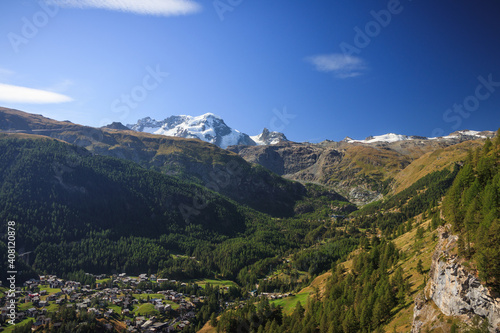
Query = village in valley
x=119 y=302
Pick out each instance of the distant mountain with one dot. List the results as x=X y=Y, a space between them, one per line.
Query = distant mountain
x=363 y=170
x=360 y=170
x=391 y=137
x=117 y=126
x=269 y=138
x=208 y=127
x=187 y=159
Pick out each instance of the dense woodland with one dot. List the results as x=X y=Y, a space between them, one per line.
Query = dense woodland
x=79 y=213
x=365 y=298
x=355 y=301
x=472 y=206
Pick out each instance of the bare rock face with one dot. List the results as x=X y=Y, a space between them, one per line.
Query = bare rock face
x=454 y=290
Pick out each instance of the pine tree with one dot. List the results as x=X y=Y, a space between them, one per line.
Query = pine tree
x=420 y=267
x=213 y=320
x=497 y=139
x=488 y=146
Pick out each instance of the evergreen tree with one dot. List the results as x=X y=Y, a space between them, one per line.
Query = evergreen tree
x=420 y=267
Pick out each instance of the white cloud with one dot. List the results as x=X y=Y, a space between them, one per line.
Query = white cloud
x=17 y=94
x=342 y=66
x=143 y=7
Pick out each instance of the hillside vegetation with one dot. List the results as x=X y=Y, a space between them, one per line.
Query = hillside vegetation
x=398 y=235
x=472 y=207
x=76 y=211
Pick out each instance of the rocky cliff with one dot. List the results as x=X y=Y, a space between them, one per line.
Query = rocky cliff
x=361 y=170
x=455 y=292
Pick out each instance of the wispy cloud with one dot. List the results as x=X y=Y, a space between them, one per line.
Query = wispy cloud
x=143 y=7
x=342 y=66
x=17 y=94
x=60 y=86
x=5 y=73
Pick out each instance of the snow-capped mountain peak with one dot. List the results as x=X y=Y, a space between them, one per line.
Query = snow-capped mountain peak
x=392 y=137
x=207 y=127
x=269 y=138
x=389 y=137
x=469 y=133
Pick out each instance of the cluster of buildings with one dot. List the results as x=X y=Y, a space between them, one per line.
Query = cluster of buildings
x=117 y=299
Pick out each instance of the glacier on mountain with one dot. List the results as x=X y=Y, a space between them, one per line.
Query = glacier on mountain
x=207 y=127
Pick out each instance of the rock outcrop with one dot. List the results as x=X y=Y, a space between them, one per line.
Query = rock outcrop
x=455 y=291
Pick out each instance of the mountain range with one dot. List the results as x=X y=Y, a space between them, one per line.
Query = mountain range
x=355 y=228
x=211 y=128
x=359 y=170
x=207 y=127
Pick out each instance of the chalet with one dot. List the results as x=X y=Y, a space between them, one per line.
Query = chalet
x=95 y=311
x=81 y=305
x=45 y=320
x=32 y=312
x=36 y=325
x=160 y=307
x=160 y=327
x=147 y=324
x=20 y=315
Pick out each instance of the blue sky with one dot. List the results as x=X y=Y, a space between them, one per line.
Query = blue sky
x=314 y=70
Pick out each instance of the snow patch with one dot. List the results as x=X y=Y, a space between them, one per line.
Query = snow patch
x=389 y=137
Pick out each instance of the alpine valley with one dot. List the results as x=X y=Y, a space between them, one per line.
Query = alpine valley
x=186 y=224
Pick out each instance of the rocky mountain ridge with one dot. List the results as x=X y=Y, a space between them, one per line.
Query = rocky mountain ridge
x=454 y=290
x=360 y=171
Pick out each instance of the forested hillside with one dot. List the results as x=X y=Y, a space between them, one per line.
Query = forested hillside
x=77 y=211
x=189 y=160
x=355 y=301
x=472 y=207
x=183 y=210
x=375 y=289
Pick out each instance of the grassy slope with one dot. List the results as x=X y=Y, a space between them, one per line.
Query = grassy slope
x=214 y=282
x=146 y=309
x=433 y=161
x=363 y=164
x=317 y=285
x=414 y=251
